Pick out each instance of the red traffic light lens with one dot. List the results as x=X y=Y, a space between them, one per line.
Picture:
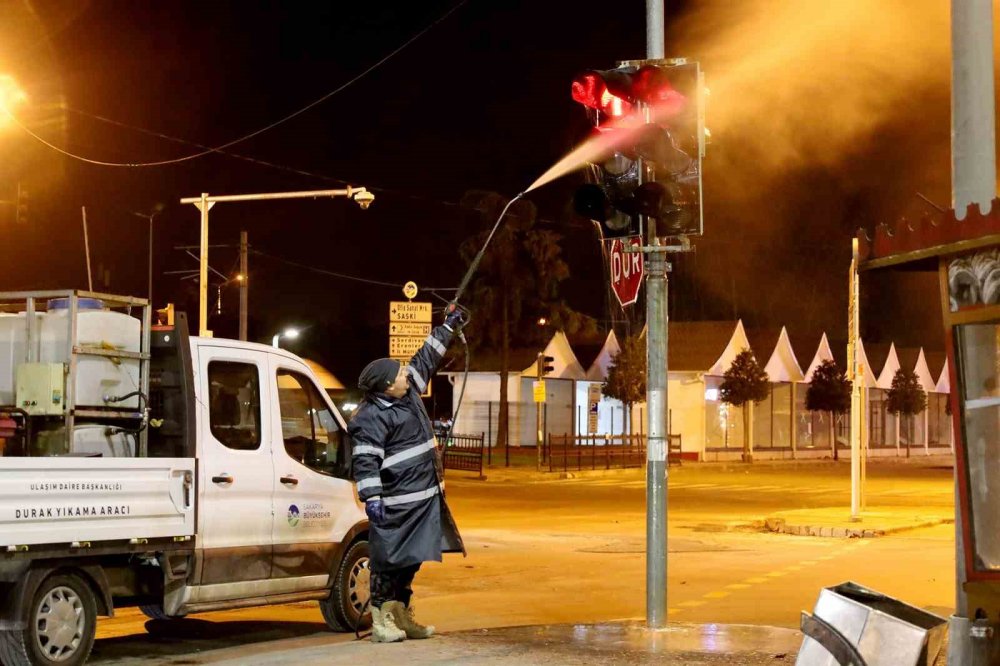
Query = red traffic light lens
x=591 y=89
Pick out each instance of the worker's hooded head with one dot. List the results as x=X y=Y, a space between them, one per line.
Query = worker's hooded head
x=378 y=375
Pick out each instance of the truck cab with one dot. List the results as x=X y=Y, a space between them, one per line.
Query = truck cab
x=227 y=485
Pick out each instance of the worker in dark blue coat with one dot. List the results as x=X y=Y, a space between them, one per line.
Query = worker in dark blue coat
x=399 y=478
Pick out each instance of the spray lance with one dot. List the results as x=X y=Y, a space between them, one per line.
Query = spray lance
x=453 y=305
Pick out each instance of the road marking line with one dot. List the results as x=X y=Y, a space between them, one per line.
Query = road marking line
x=794 y=567
x=776 y=574
x=755 y=579
x=674 y=611
x=720 y=594
x=739 y=586
x=809 y=562
x=692 y=603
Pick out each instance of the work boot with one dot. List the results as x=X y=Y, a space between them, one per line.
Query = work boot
x=405 y=620
x=384 y=629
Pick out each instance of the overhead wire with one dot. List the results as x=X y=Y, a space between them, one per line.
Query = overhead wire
x=246 y=137
x=342 y=276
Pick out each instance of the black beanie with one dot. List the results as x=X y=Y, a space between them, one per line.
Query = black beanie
x=378 y=375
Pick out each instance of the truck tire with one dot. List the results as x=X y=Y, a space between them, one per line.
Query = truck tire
x=351 y=590
x=62 y=621
x=155 y=612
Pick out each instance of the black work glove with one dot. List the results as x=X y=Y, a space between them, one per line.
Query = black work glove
x=455 y=318
x=375 y=510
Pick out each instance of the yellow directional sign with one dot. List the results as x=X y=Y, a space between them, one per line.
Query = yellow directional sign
x=409 y=328
x=404 y=345
x=419 y=311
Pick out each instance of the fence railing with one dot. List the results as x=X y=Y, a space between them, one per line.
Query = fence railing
x=464 y=452
x=579 y=452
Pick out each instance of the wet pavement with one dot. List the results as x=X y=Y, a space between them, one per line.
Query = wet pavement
x=608 y=643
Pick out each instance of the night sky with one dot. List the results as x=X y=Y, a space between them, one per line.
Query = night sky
x=480 y=101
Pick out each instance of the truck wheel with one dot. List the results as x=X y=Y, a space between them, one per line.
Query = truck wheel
x=62 y=621
x=351 y=590
x=155 y=612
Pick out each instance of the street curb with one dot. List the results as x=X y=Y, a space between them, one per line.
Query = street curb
x=780 y=525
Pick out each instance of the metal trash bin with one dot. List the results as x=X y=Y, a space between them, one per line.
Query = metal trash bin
x=884 y=631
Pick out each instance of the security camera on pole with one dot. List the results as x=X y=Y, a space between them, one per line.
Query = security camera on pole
x=650 y=116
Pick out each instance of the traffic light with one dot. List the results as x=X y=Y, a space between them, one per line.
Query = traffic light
x=21 y=206
x=645 y=157
x=545 y=365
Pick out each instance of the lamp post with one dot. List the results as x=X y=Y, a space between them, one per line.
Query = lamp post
x=204 y=203
x=289 y=333
x=157 y=209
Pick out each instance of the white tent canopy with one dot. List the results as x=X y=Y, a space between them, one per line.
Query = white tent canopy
x=923 y=373
x=889 y=369
x=565 y=364
x=782 y=366
x=598 y=370
x=823 y=353
x=737 y=343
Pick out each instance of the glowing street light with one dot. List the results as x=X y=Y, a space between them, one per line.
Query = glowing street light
x=289 y=333
x=11 y=96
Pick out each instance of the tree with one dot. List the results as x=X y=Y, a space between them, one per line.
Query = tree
x=627 y=376
x=829 y=391
x=906 y=397
x=517 y=282
x=745 y=382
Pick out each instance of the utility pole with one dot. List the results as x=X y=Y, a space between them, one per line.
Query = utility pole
x=656 y=383
x=856 y=373
x=244 y=279
x=539 y=437
x=973 y=181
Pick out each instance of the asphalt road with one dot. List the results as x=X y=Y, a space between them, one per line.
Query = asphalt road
x=573 y=551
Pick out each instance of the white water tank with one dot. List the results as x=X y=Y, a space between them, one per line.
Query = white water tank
x=13 y=351
x=96 y=376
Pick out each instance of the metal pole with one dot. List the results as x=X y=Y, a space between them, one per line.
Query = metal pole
x=856 y=375
x=149 y=295
x=656 y=451
x=973 y=181
x=243 y=285
x=656 y=385
x=86 y=248
x=538 y=419
x=203 y=206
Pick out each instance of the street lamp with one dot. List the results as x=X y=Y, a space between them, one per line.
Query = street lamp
x=157 y=209
x=204 y=203
x=289 y=333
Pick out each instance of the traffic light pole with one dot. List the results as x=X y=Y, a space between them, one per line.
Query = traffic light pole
x=656 y=384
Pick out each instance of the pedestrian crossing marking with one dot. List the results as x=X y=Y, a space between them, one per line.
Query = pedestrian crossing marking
x=720 y=594
x=674 y=611
x=739 y=586
x=776 y=574
x=756 y=580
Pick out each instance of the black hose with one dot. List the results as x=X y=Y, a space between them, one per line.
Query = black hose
x=461 y=394
x=454 y=304
x=361 y=617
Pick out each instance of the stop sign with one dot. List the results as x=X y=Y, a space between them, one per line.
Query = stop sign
x=626 y=269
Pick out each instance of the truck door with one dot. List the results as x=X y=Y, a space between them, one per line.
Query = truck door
x=235 y=469
x=314 y=502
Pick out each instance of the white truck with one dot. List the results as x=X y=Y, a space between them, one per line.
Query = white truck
x=143 y=467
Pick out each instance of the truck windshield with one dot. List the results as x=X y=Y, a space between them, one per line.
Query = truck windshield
x=311 y=433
